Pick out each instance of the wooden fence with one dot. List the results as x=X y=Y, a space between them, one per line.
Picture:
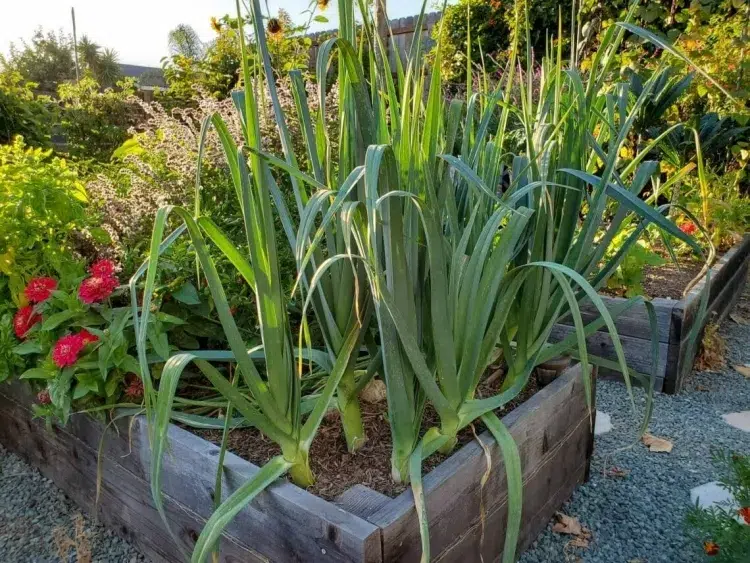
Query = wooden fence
x=403 y=30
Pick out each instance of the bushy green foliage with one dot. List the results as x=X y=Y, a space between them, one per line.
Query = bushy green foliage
x=215 y=70
x=96 y=122
x=724 y=531
x=22 y=112
x=47 y=60
x=491 y=25
x=42 y=203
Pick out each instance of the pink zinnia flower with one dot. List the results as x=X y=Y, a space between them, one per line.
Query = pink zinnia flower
x=66 y=350
x=39 y=289
x=43 y=397
x=24 y=319
x=96 y=289
x=102 y=269
x=87 y=338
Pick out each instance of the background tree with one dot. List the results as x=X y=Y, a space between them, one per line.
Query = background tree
x=183 y=40
x=46 y=60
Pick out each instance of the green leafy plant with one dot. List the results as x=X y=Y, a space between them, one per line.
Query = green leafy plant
x=42 y=204
x=398 y=224
x=22 y=112
x=96 y=122
x=724 y=530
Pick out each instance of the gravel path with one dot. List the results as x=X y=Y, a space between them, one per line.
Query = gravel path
x=39 y=524
x=639 y=518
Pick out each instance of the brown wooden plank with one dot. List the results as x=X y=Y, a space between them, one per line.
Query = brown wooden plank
x=637 y=350
x=284 y=520
x=453 y=488
x=634 y=321
x=721 y=272
x=718 y=309
x=362 y=501
x=124 y=503
x=544 y=492
x=287 y=522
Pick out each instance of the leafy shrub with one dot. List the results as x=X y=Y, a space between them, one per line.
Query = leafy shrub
x=213 y=69
x=47 y=60
x=724 y=531
x=491 y=25
x=95 y=122
x=22 y=112
x=42 y=204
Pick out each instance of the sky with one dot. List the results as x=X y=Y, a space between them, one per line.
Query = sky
x=138 y=29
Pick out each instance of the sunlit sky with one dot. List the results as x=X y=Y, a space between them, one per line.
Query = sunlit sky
x=137 y=29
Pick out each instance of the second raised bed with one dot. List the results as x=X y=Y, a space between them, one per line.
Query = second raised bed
x=676 y=319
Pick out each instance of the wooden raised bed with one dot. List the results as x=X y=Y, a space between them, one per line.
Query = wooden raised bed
x=286 y=523
x=675 y=320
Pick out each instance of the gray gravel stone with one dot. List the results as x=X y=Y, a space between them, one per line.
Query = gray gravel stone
x=35 y=517
x=639 y=518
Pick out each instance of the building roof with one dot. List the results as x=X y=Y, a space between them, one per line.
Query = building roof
x=148 y=76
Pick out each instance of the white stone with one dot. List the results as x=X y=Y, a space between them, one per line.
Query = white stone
x=603 y=423
x=711 y=494
x=739 y=420
x=714 y=495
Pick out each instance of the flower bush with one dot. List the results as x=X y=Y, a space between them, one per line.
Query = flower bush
x=43 y=204
x=79 y=341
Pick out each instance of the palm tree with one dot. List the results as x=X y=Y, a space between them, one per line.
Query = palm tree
x=183 y=40
x=88 y=52
x=108 y=68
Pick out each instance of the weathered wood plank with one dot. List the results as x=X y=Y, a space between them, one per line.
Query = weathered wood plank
x=721 y=273
x=718 y=308
x=728 y=278
x=634 y=321
x=546 y=490
x=124 y=503
x=294 y=525
x=453 y=489
x=637 y=350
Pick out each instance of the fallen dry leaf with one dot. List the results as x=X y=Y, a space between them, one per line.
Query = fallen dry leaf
x=656 y=444
x=743 y=370
x=567 y=525
x=617 y=472
x=580 y=542
x=374 y=392
x=739 y=319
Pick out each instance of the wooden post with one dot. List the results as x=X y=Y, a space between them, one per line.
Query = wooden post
x=75 y=42
x=381 y=25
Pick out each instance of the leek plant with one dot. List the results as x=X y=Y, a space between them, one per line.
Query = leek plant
x=399 y=228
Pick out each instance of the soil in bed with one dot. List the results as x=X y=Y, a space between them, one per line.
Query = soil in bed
x=666 y=281
x=335 y=469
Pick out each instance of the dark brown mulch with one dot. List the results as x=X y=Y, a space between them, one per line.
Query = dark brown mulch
x=335 y=469
x=668 y=280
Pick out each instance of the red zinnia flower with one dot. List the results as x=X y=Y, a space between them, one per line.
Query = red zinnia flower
x=102 y=269
x=745 y=513
x=66 y=350
x=39 y=289
x=24 y=319
x=134 y=389
x=96 y=289
x=43 y=397
x=710 y=548
x=87 y=338
x=689 y=228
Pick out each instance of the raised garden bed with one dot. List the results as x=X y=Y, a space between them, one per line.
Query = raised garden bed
x=553 y=430
x=675 y=319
